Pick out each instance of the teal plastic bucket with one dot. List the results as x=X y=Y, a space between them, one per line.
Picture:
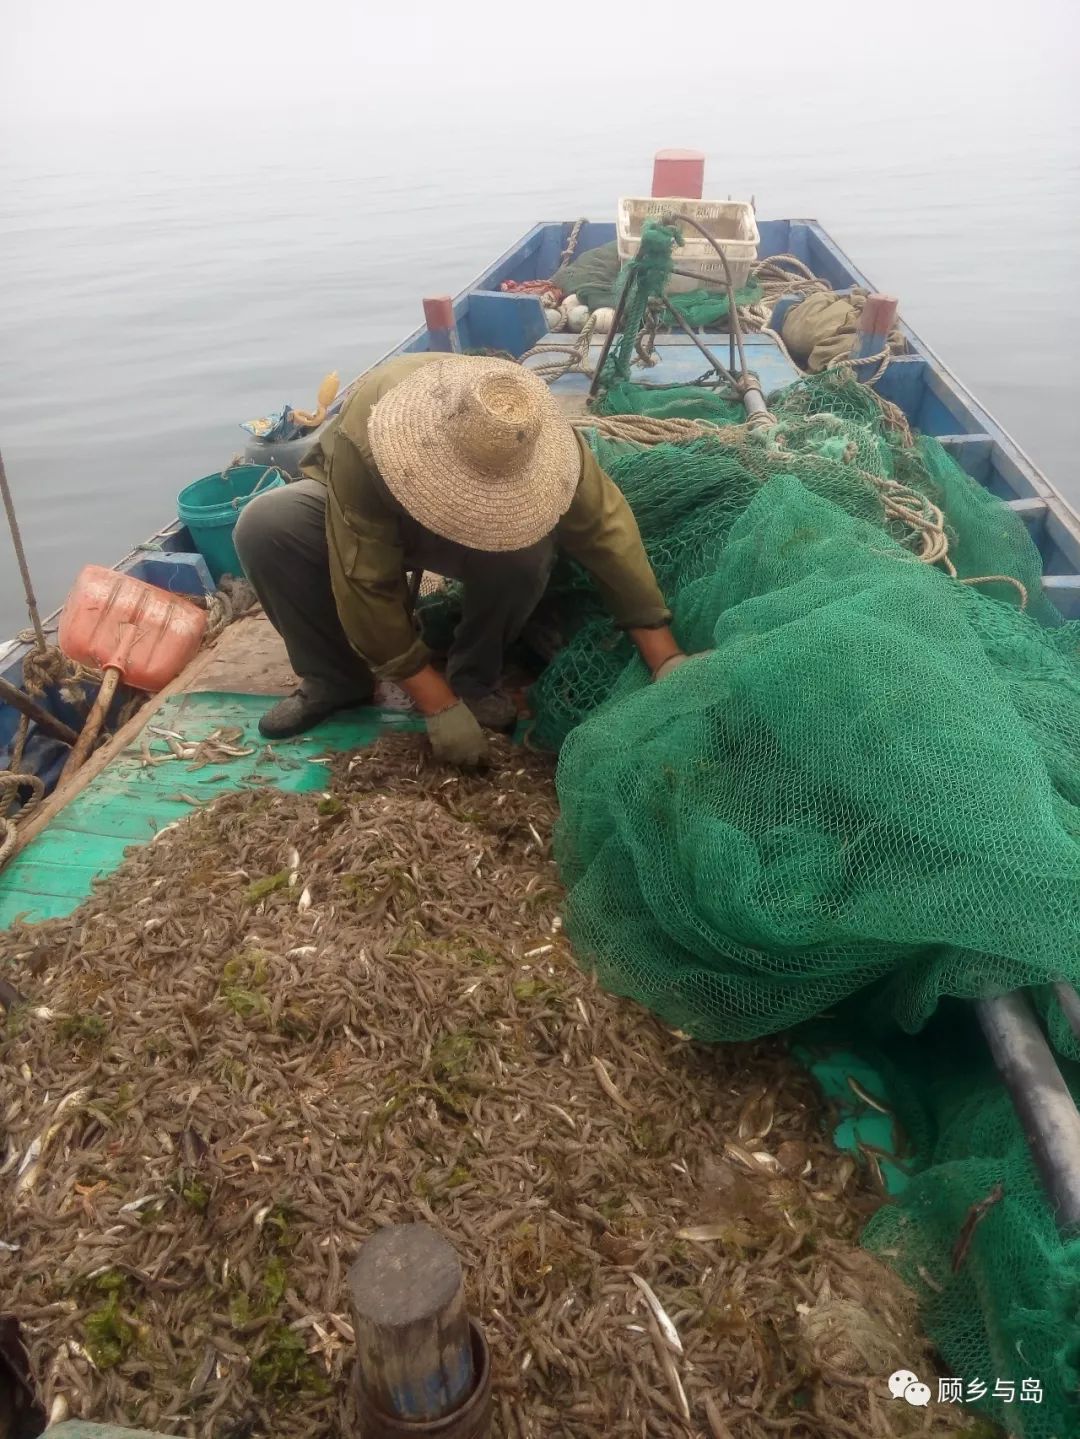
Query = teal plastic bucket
x=210 y=508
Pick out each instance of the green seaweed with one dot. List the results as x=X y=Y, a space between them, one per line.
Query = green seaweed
x=356 y=887
x=194 y=1193
x=450 y=1054
x=276 y=1230
x=82 y=1029
x=283 y=1365
x=274 y=1282
x=108 y=1334
x=484 y=957
x=242 y=978
x=111 y=1282
x=245 y=1002
x=268 y=885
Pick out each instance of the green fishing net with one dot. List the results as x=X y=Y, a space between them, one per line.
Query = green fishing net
x=860 y=798
x=672 y=402
x=863 y=789
x=592 y=276
x=1006 y=1307
x=701 y=308
x=796 y=814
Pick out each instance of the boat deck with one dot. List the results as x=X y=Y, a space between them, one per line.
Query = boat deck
x=679 y=362
x=120 y=799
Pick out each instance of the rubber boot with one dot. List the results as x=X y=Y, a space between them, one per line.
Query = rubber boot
x=494 y=711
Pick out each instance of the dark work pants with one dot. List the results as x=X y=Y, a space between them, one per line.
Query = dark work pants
x=281 y=540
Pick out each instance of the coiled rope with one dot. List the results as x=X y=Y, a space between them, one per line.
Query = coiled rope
x=922 y=521
x=577 y=356
x=10 y=784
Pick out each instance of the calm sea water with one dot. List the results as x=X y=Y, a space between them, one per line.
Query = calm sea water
x=161 y=282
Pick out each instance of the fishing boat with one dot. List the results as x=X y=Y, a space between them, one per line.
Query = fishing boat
x=67 y=834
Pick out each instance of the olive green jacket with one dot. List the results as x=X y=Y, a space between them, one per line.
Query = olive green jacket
x=373 y=541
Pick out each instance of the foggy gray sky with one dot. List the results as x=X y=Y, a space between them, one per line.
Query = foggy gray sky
x=132 y=58
x=206 y=204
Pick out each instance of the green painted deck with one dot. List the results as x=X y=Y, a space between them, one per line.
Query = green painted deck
x=130 y=801
x=76 y=1429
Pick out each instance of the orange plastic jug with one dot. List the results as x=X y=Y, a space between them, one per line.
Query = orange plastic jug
x=114 y=621
x=132 y=632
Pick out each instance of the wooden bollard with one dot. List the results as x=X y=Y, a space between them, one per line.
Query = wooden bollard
x=419 y=1359
x=679 y=174
x=872 y=336
x=441 y=325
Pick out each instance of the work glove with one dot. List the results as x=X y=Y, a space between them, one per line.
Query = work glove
x=673 y=663
x=456 y=737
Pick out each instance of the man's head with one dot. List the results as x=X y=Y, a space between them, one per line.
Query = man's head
x=476 y=451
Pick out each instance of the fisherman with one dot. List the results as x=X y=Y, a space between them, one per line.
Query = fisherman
x=464 y=467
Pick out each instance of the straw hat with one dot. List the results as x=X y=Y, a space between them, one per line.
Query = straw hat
x=477 y=451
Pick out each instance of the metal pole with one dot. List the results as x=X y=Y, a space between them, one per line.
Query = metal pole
x=1040 y=1097
x=754 y=405
x=20 y=555
x=713 y=361
x=736 y=328
x=752 y=398
x=1069 y=1000
x=704 y=281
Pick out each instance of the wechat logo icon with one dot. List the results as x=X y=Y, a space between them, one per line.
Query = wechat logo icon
x=905 y=1385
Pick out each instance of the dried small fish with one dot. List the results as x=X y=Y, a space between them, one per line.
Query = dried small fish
x=974 y=1217
x=607 y=1084
x=756 y=1116
x=31 y=1163
x=717 y=1427
x=660 y=1314
x=134 y=1205
x=704 y=1233
x=866 y=1097
x=928 y=1279
x=672 y=1374
x=201 y=1377
x=258 y=1102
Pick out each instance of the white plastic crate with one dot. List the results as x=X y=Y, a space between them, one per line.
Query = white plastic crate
x=731 y=223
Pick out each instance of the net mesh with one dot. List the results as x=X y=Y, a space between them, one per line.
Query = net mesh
x=705 y=307
x=1008 y=1307
x=860 y=798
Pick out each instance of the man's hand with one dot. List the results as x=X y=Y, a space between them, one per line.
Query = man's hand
x=456 y=737
x=657 y=647
x=671 y=663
